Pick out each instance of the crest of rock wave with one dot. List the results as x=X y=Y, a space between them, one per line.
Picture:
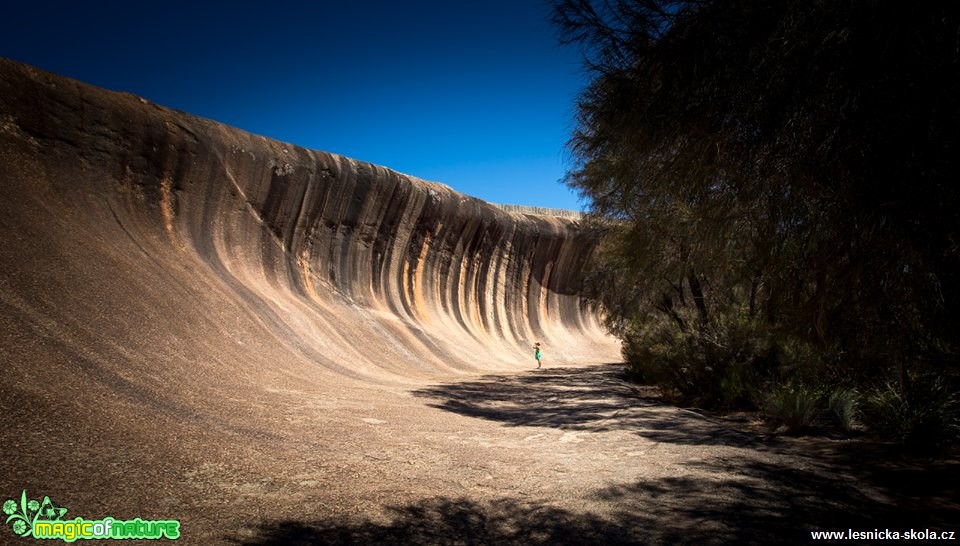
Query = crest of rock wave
x=137 y=238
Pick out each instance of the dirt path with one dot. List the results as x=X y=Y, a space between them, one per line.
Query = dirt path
x=568 y=456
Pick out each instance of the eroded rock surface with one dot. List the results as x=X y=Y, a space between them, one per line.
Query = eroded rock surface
x=192 y=312
x=297 y=237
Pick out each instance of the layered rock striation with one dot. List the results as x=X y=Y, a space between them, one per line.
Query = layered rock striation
x=349 y=266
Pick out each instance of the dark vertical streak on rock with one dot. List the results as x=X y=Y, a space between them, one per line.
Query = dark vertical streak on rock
x=316 y=225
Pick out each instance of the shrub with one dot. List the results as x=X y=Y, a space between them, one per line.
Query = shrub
x=926 y=421
x=842 y=408
x=794 y=406
x=722 y=365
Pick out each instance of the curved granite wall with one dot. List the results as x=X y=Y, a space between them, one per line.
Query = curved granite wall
x=344 y=262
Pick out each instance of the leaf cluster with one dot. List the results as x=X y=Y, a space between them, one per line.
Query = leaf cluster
x=793 y=162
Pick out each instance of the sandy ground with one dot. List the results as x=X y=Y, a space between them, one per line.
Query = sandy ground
x=553 y=456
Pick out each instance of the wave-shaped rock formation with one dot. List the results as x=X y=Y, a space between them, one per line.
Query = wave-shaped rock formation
x=136 y=235
x=191 y=313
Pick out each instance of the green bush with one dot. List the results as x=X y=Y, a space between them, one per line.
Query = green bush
x=733 y=363
x=723 y=365
x=842 y=408
x=794 y=406
x=926 y=421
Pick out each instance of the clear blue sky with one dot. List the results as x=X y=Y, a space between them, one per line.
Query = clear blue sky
x=477 y=95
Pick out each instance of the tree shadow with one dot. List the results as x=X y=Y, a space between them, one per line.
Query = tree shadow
x=753 y=503
x=715 y=499
x=923 y=491
x=821 y=480
x=756 y=502
x=591 y=399
x=453 y=521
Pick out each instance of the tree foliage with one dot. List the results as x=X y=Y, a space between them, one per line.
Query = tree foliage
x=792 y=164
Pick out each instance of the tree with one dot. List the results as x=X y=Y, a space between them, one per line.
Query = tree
x=791 y=164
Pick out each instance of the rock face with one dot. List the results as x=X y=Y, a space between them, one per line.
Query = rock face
x=132 y=230
x=190 y=312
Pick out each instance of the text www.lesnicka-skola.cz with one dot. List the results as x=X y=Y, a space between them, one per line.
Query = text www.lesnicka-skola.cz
x=885 y=534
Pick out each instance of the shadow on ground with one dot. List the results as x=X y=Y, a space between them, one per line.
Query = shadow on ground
x=591 y=399
x=764 y=504
x=452 y=521
x=765 y=493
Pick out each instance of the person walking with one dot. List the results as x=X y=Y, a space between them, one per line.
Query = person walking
x=537 y=353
